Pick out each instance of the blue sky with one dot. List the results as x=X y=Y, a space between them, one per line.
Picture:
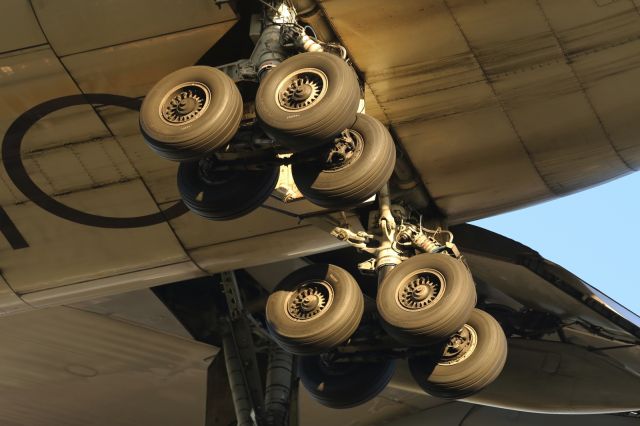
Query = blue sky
x=595 y=234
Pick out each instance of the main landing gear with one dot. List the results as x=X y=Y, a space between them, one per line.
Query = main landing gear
x=306 y=115
x=424 y=310
x=306 y=105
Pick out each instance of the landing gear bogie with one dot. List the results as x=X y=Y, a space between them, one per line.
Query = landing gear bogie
x=306 y=103
x=341 y=158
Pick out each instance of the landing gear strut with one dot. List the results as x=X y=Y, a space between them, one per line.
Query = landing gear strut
x=425 y=291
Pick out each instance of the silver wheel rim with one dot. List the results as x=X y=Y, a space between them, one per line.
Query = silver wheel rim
x=301 y=90
x=460 y=346
x=185 y=103
x=309 y=300
x=420 y=290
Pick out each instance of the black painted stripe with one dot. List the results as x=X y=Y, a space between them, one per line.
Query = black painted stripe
x=10 y=232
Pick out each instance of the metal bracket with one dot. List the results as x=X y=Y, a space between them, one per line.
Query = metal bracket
x=393 y=237
x=358 y=239
x=368 y=267
x=240 y=356
x=267 y=53
x=242 y=70
x=219 y=3
x=232 y=294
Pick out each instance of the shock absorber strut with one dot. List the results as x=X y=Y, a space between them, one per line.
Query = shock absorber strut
x=269 y=51
x=398 y=236
x=386 y=256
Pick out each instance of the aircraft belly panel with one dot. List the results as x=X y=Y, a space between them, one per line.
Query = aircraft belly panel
x=556 y=80
x=131 y=69
x=559 y=128
x=159 y=175
x=273 y=247
x=63 y=366
x=63 y=252
x=74 y=27
x=197 y=232
x=472 y=159
x=19 y=27
x=33 y=76
x=9 y=301
x=611 y=79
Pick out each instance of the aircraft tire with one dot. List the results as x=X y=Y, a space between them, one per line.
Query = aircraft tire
x=457 y=378
x=331 y=103
x=314 y=309
x=234 y=194
x=344 y=385
x=349 y=182
x=426 y=299
x=190 y=113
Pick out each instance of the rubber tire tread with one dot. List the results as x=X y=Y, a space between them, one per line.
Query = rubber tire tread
x=473 y=374
x=243 y=194
x=441 y=320
x=357 y=384
x=319 y=124
x=326 y=331
x=356 y=182
x=192 y=140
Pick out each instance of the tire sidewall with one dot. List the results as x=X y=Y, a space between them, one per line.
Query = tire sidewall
x=313 y=125
x=355 y=385
x=444 y=317
x=224 y=110
x=474 y=373
x=341 y=318
x=357 y=181
x=245 y=192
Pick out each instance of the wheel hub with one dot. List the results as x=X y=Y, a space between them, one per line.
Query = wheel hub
x=188 y=105
x=421 y=290
x=211 y=173
x=460 y=346
x=185 y=103
x=346 y=149
x=420 y=293
x=304 y=92
x=310 y=303
x=301 y=89
x=309 y=300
